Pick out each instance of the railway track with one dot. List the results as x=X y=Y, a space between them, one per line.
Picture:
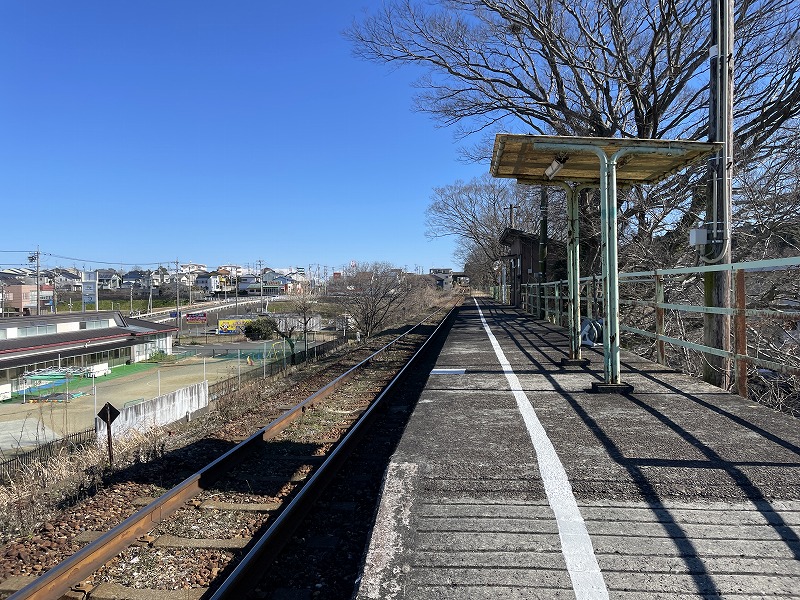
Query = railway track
x=216 y=533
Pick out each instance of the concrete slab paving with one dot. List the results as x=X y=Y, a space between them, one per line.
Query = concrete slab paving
x=21 y=433
x=680 y=489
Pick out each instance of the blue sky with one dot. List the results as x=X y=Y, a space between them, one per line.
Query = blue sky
x=148 y=131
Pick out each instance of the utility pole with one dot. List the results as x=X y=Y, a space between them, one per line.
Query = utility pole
x=55 y=295
x=35 y=258
x=177 y=298
x=543 y=243
x=261 y=281
x=511 y=208
x=717 y=327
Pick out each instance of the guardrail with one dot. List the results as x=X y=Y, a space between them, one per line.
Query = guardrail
x=662 y=303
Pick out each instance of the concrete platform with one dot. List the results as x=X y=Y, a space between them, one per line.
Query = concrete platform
x=514 y=481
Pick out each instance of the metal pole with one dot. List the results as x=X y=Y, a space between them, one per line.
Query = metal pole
x=717 y=327
x=661 y=356
x=741 y=334
x=108 y=429
x=558 y=312
x=503 y=284
x=574 y=274
x=613 y=275
x=604 y=230
x=543 y=233
x=177 y=298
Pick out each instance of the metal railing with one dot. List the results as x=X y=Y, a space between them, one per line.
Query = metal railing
x=271 y=369
x=69 y=443
x=657 y=304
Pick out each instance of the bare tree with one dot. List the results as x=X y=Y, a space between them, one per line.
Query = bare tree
x=589 y=67
x=478 y=211
x=634 y=68
x=303 y=305
x=482 y=271
x=371 y=293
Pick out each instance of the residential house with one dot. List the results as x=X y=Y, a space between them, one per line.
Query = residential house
x=523 y=264
x=275 y=284
x=443 y=279
x=21 y=298
x=66 y=280
x=249 y=284
x=193 y=268
x=136 y=279
x=108 y=279
x=211 y=282
x=233 y=271
x=7 y=295
x=160 y=277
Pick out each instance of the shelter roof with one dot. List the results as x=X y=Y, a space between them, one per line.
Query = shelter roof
x=526 y=157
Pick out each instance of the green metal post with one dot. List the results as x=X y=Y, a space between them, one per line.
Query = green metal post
x=558 y=312
x=612 y=376
x=661 y=355
x=604 y=242
x=573 y=246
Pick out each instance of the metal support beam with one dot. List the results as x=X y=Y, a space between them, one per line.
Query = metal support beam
x=573 y=257
x=573 y=272
x=608 y=241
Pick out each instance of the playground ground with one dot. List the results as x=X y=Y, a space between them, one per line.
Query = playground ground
x=34 y=420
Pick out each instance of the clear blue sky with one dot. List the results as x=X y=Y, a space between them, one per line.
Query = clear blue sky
x=218 y=132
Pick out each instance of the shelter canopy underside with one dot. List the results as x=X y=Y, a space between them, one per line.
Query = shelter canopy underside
x=526 y=157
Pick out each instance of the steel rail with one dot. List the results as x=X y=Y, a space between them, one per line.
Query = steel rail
x=59 y=580
x=250 y=569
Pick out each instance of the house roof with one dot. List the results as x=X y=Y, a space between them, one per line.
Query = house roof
x=67 y=274
x=510 y=235
x=19 y=352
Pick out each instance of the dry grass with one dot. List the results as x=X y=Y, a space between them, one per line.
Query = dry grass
x=43 y=487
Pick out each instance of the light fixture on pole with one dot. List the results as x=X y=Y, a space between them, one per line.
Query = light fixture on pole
x=555 y=167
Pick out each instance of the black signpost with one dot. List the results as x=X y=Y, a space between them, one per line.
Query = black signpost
x=108 y=414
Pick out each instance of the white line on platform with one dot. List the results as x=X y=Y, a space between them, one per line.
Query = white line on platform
x=448 y=371
x=576 y=546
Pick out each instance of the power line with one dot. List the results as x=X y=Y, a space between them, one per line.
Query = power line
x=82 y=260
x=104 y=262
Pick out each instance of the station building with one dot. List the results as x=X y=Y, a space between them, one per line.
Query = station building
x=78 y=343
